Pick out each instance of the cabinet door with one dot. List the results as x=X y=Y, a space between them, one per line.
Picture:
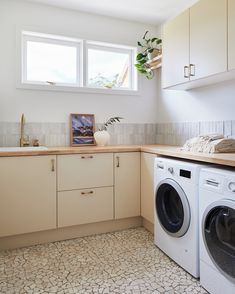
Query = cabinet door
x=208 y=38
x=127 y=184
x=147 y=186
x=231 y=34
x=176 y=51
x=27 y=194
x=85 y=171
x=85 y=206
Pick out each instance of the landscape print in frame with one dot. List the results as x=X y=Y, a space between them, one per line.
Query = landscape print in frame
x=82 y=127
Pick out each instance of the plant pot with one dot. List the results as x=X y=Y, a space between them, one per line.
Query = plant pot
x=153 y=54
x=102 y=138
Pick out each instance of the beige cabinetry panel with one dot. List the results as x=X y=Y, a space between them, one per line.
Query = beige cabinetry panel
x=208 y=38
x=85 y=206
x=27 y=194
x=147 y=186
x=195 y=51
x=84 y=171
x=127 y=184
x=231 y=34
x=175 y=69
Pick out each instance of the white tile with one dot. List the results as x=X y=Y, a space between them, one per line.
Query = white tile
x=233 y=128
x=211 y=127
x=228 y=128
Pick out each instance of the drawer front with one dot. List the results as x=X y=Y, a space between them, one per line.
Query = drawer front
x=85 y=206
x=84 y=171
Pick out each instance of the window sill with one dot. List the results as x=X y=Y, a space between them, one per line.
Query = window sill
x=77 y=89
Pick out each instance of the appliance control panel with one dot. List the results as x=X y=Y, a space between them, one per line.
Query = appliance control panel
x=185 y=173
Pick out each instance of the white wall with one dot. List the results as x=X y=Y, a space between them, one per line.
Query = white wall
x=153 y=105
x=45 y=106
x=211 y=103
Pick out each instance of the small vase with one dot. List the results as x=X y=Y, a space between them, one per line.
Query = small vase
x=102 y=138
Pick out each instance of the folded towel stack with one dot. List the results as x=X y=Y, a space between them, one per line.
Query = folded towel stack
x=213 y=143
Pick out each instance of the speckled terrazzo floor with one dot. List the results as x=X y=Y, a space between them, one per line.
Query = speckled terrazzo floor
x=121 y=262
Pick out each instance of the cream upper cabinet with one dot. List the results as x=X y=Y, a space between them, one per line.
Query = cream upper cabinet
x=175 y=69
x=195 y=45
x=27 y=194
x=80 y=171
x=147 y=186
x=208 y=38
x=231 y=34
x=127 y=184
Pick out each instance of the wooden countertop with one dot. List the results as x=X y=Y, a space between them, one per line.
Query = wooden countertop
x=72 y=150
x=227 y=159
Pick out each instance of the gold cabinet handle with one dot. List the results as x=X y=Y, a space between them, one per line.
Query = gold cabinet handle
x=87 y=193
x=192 y=70
x=186 y=71
x=118 y=161
x=53 y=165
x=85 y=157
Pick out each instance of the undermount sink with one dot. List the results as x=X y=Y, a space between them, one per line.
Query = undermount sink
x=22 y=149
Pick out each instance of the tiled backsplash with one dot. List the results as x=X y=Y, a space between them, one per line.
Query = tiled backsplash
x=57 y=134
x=178 y=133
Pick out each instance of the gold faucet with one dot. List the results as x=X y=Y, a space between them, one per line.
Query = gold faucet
x=23 y=141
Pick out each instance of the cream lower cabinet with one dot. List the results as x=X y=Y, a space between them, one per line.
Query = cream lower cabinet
x=85 y=188
x=147 y=186
x=127 y=184
x=85 y=206
x=80 y=171
x=27 y=194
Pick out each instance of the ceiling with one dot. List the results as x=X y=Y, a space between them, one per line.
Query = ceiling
x=152 y=12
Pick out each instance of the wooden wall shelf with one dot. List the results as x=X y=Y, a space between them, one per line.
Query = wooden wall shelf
x=155 y=63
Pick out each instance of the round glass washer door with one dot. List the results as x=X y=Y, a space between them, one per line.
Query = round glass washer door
x=218 y=230
x=172 y=208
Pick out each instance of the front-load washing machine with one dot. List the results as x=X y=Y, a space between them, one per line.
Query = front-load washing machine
x=217 y=230
x=176 y=211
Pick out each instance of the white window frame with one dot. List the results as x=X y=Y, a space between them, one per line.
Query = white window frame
x=130 y=51
x=29 y=33
x=51 y=39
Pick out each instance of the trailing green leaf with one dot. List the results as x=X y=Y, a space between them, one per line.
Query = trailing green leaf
x=145 y=35
x=143 y=61
x=110 y=121
x=142 y=58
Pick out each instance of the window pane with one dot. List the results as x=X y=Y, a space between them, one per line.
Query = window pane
x=51 y=62
x=108 y=69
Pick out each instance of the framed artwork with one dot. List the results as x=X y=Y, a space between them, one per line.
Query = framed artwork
x=82 y=128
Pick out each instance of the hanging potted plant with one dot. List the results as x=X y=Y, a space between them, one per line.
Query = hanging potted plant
x=102 y=136
x=150 y=48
